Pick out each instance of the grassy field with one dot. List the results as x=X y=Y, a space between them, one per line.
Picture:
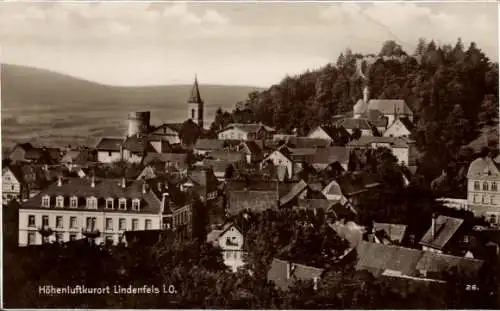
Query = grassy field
x=55 y=109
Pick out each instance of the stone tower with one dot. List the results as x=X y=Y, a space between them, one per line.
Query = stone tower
x=138 y=123
x=195 y=105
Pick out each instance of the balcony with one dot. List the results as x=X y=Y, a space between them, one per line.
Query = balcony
x=91 y=232
x=45 y=231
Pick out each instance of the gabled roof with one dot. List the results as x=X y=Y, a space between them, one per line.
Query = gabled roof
x=389 y=106
x=333 y=131
x=296 y=190
x=356 y=123
x=176 y=127
x=203 y=178
x=178 y=158
x=395 y=232
x=230 y=156
x=278 y=273
x=53 y=154
x=249 y=127
x=376 y=118
x=30 y=174
x=109 y=144
x=394 y=142
x=407 y=123
x=483 y=167
x=306 y=142
x=138 y=144
x=256 y=201
x=438 y=263
x=194 y=96
x=377 y=258
x=330 y=155
x=251 y=147
x=446 y=227
x=104 y=188
x=213 y=236
x=209 y=144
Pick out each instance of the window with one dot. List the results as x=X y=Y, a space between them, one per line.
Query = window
x=485 y=186
x=91 y=223
x=45 y=220
x=475 y=200
x=73 y=202
x=493 y=219
x=109 y=224
x=135 y=224
x=147 y=224
x=72 y=222
x=7 y=178
x=31 y=220
x=109 y=154
x=72 y=237
x=59 y=221
x=12 y=187
x=135 y=204
x=59 y=201
x=109 y=203
x=192 y=114
x=59 y=237
x=492 y=200
x=122 y=224
x=31 y=238
x=476 y=185
x=494 y=186
x=122 y=204
x=46 y=201
x=92 y=202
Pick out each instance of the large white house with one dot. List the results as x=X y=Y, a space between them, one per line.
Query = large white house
x=75 y=208
x=230 y=240
x=402 y=148
x=242 y=131
x=131 y=149
x=483 y=194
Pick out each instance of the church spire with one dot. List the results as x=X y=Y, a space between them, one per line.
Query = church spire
x=195 y=96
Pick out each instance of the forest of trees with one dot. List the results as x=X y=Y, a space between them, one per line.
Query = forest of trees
x=452 y=90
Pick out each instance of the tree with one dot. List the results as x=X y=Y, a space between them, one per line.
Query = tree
x=391 y=48
x=189 y=133
x=356 y=134
x=488 y=114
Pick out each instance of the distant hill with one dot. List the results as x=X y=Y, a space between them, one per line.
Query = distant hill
x=54 y=108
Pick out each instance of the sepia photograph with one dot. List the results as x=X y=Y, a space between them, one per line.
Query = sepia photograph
x=250 y=155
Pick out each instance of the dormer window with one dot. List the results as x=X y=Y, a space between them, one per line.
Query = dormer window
x=60 y=201
x=122 y=204
x=109 y=203
x=136 y=204
x=46 y=201
x=73 y=202
x=92 y=202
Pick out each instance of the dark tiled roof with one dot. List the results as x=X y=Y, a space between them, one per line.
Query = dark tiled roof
x=353 y=123
x=177 y=158
x=366 y=141
x=252 y=200
x=331 y=155
x=446 y=227
x=53 y=154
x=110 y=144
x=407 y=123
x=376 y=258
x=296 y=190
x=395 y=232
x=104 y=188
x=176 y=127
x=138 y=144
x=209 y=144
x=230 y=156
x=389 y=106
x=306 y=142
x=204 y=178
x=439 y=263
x=278 y=273
x=376 y=118
x=251 y=147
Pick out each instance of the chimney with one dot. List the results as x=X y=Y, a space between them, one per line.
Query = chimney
x=59 y=181
x=366 y=92
x=92 y=181
x=433 y=225
x=124 y=183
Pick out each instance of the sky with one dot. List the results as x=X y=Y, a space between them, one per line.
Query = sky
x=154 y=43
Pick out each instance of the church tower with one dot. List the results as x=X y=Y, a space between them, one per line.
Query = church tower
x=195 y=105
